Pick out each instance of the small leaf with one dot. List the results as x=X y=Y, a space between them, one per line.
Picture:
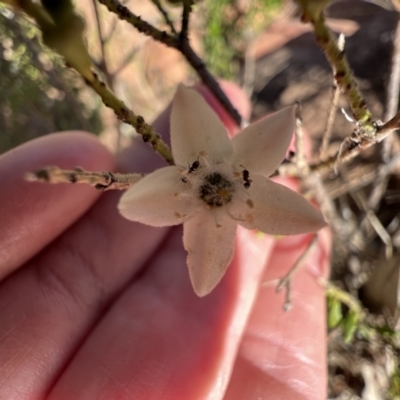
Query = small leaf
x=335 y=314
x=349 y=325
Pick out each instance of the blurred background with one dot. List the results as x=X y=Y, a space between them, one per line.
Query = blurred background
x=265 y=49
x=38 y=95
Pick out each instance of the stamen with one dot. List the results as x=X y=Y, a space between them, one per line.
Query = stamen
x=216 y=190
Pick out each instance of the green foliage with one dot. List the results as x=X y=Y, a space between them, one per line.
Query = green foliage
x=394 y=389
x=335 y=314
x=346 y=313
x=348 y=321
x=228 y=28
x=38 y=95
x=349 y=325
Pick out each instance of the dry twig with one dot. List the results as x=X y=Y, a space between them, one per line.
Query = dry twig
x=100 y=180
x=286 y=281
x=332 y=112
x=128 y=116
x=179 y=42
x=165 y=15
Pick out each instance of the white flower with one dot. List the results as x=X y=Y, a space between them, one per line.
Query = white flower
x=218 y=183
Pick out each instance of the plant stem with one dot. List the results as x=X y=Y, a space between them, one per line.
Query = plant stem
x=179 y=43
x=343 y=75
x=129 y=117
x=100 y=180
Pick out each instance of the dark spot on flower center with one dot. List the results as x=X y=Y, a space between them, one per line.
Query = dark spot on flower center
x=216 y=190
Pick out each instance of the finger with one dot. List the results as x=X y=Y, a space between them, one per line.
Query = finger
x=159 y=340
x=283 y=355
x=33 y=214
x=52 y=302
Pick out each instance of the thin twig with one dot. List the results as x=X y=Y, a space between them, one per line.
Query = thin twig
x=100 y=180
x=186 y=10
x=165 y=15
x=342 y=73
x=355 y=144
x=376 y=224
x=128 y=116
x=392 y=100
x=364 y=177
x=286 y=281
x=327 y=204
x=367 y=132
x=351 y=147
x=329 y=125
x=332 y=112
x=392 y=105
x=103 y=67
x=103 y=61
x=182 y=45
x=378 y=190
x=300 y=158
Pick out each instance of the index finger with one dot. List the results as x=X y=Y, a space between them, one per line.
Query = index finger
x=283 y=355
x=33 y=214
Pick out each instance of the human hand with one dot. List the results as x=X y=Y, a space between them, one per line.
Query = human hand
x=96 y=307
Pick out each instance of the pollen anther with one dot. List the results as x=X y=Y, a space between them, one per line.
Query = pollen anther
x=216 y=190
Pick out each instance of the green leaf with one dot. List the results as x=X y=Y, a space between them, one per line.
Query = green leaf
x=349 y=325
x=335 y=314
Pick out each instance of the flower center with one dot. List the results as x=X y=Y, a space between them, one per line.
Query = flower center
x=216 y=190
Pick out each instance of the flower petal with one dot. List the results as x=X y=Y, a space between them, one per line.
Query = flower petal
x=262 y=146
x=196 y=129
x=158 y=199
x=276 y=210
x=209 y=239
